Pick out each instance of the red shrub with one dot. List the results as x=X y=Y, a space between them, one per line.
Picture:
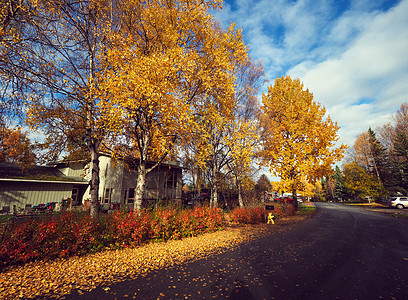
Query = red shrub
x=127 y=228
x=248 y=215
x=71 y=233
x=283 y=210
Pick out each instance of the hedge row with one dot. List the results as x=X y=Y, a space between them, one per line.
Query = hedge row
x=70 y=233
x=256 y=215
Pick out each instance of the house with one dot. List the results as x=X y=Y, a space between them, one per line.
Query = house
x=70 y=179
x=22 y=189
x=118 y=181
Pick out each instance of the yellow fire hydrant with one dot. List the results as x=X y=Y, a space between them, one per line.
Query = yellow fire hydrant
x=270 y=218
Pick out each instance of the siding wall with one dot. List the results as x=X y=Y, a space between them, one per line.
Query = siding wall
x=75 y=169
x=110 y=176
x=20 y=193
x=114 y=175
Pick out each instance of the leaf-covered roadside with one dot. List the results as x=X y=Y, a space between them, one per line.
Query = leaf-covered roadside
x=69 y=233
x=58 y=278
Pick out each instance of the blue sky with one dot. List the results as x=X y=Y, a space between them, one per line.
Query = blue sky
x=352 y=55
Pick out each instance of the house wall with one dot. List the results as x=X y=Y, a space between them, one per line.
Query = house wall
x=111 y=177
x=74 y=169
x=20 y=193
x=163 y=183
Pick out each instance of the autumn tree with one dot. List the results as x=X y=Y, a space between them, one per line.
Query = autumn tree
x=168 y=65
x=329 y=188
x=398 y=124
x=401 y=119
x=15 y=147
x=297 y=138
x=359 y=183
x=318 y=191
x=360 y=153
x=227 y=137
x=57 y=66
x=308 y=189
x=13 y=20
x=245 y=141
x=229 y=134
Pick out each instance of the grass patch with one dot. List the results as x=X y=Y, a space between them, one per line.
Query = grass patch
x=305 y=210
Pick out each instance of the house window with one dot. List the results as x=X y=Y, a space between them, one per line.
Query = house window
x=171 y=183
x=107 y=195
x=129 y=196
x=74 y=195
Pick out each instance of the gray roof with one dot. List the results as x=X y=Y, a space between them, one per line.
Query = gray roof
x=41 y=173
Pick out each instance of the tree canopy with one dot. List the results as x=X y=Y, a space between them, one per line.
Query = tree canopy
x=297 y=139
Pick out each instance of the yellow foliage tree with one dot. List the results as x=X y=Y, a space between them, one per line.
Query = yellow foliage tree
x=168 y=64
x=56 y=69
x=361 y=151
x=297 y=140
x=359 y=183
x=244 y=137
x=13 y=15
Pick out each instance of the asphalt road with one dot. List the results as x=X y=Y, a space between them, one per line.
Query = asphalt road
x=342 y=253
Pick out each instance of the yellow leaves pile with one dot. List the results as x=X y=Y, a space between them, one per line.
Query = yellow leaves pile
x=60 y=277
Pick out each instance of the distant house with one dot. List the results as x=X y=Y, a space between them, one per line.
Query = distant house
x=71 y=180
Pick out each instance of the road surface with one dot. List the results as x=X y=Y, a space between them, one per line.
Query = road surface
x=342 y=253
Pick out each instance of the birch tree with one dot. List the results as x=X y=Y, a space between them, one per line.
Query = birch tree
x=169 y=62
x=58 y=63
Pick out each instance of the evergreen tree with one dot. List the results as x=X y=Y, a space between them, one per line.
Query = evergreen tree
x=263 y=184
x=380 y=166
x=399 y=163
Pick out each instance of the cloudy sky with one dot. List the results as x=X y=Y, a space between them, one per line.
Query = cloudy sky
x=352 y=55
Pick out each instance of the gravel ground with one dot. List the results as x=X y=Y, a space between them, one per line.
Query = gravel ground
x=54 y=279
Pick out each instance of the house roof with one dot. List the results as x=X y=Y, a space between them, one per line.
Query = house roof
x=13 y=172
x=128 y=159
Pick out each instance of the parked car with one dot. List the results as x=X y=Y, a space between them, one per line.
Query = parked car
x=399 y=202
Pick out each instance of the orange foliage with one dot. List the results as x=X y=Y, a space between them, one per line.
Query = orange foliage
x=15 y=147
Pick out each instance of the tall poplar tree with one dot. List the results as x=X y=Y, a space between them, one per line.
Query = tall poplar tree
x=297 y=139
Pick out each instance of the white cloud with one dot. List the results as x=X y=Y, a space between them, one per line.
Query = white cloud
x=352 y=59
x=373 y=69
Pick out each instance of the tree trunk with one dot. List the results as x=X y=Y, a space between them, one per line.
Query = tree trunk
x=240 y=201
x=294 y=196
x=214 y=186
x=214 y=195
x=140 y=185
x=94 y=185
